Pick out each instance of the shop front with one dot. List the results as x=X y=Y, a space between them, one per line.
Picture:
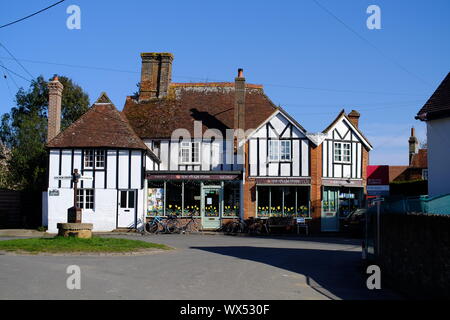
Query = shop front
x=211 y=198
x=339 y=198
x=283 y=198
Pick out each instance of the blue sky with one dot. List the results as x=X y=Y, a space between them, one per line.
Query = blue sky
x=311 y=62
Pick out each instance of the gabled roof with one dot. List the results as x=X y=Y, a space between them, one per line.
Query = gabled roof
x=287 y=116
x=101 y=126
x=343 y=115
x=211 y=103
x=438 y=106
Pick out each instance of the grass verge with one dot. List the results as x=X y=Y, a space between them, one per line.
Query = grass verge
x=76 y=245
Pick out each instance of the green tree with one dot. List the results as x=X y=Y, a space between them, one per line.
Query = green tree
x=24 y=130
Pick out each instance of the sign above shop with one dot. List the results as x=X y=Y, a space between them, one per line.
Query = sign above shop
x=301 y=181
x=342 y=182
x=150 y=176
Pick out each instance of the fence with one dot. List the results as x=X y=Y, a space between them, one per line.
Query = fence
x=409 y=238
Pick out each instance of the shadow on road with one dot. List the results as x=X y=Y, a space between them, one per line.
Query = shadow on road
x=334 y=273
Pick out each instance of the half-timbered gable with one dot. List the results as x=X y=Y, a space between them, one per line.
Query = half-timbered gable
x=279 y=147
x=342 y=150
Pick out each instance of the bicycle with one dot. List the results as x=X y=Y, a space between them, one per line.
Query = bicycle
x=191 y=226
x=258 y=226
x=158 y=224
x=236 y=226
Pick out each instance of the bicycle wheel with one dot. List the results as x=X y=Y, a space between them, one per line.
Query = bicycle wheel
x=151 y=227
x=172 y=227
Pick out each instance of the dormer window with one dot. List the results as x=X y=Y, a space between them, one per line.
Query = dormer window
x=94 y=159
x=189 y=152
x=342 y=152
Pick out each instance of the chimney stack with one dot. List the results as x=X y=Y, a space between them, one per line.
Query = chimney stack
x=55 y=89
x=413 y=145
x=156 y=75
x=239 y=104
x=354 y=117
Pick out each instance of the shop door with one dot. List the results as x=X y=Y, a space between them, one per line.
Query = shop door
x=330 y=203
x=126 y=211
x=211 y=207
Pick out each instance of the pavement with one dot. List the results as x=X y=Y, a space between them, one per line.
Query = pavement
x=201 y=267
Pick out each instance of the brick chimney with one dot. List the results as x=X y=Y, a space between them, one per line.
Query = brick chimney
x=239 y=103
x=354 y=117
x=413 y=145
x=55 y=89
x=156 y=75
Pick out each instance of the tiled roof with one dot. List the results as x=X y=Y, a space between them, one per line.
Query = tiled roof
x=420 y=159
x=438 y=106
x=211 y=103
x=101 y=126
x=396 y=171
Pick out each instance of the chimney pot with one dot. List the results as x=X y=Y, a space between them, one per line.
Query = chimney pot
x=240 y=73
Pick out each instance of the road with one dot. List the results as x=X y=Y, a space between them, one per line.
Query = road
x=201 y=267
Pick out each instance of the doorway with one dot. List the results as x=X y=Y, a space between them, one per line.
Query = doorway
x=126 y=209
x=211 y=207
x=330 y=206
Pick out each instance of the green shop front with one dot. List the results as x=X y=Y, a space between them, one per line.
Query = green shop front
x=339 y=198
x=210 y=197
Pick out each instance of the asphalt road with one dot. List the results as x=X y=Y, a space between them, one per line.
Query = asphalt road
x=201 y=267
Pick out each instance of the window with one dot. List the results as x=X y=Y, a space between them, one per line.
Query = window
x=231 y=199
x=342 y=152
x=279 y=150
x=85 y=198
x=190 y=152
x=94 y=157
x=278 y=201
x=285 y=150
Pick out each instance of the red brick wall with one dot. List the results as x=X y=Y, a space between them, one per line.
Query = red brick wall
x=316 y=187
x=249 y=194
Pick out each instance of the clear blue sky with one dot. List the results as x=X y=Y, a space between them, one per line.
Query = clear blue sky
x=308 y=61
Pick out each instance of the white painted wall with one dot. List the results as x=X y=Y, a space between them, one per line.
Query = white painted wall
x=104 y=214
x=213 y=156
x=343 y=133
x=300 y=150
x=438 y=139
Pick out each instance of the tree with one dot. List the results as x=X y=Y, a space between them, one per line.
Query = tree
x=24 y=130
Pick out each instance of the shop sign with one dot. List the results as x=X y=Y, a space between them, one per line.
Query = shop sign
x=192 y=176
x=339 y=182
x=301 y=181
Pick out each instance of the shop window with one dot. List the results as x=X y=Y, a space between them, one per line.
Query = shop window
x=189 y=152
x=85 y=198
x=192 y=196
x=283 y=201
x=263 y=202
x=155 y=199
x=231 y=199
x=174 y=195
x=342 y=152
x=276 y=203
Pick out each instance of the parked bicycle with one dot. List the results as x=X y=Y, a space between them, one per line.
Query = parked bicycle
x=162 y=224
x=236 y=226
x=191 y=226
x=258 y=226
